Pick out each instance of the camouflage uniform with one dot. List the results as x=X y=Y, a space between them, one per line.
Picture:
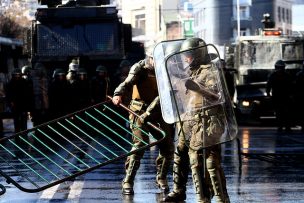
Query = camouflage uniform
x=206 y=130
x=200 y=127
x=145 y=99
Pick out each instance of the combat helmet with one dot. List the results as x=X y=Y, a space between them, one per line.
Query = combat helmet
x=58 y=72
x=200 y=55
x=82 y=71
x=124 y=63
x=279 y=65
x=26 y=70
x=101 y=69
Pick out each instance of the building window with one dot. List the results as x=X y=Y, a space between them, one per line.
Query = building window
x=243 y=32
x=283 y=14
x=140 y=22
x=287 y=16
x=243 y=12
x=279 y=13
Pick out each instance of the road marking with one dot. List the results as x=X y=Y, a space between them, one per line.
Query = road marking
x=50 y=192
x=75 y=190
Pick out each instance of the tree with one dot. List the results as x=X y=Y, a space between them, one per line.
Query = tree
x=10 y=28
x=13 y=21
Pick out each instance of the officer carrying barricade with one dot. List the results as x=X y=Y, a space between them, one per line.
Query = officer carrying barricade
x=193 y=96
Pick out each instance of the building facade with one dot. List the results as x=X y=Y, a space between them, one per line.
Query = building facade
x=152 y=21
x=217 y=21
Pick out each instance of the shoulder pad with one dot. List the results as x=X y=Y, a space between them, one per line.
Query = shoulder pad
x=137 y=67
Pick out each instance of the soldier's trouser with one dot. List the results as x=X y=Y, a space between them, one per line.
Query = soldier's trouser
x=165 y=156
x=133 y=161
x=201 y=181
x=132 y=164
x=180 y=169
x=166 y=150
x=216 y=173
x=20 y=121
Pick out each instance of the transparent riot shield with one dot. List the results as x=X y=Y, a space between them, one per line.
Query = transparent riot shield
x=193 y=93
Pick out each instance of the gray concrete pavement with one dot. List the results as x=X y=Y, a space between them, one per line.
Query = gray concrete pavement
x=271 y=171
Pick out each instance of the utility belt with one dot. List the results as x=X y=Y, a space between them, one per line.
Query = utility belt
x=138 y=105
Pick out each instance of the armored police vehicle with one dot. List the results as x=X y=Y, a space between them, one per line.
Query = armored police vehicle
x=91 y=31
x=254 y=60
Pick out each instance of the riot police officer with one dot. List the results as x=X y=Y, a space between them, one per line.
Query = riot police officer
x=82 y=85
x=59 y=96
x=279 y=84
x=141 y=82
x=41 y=96
x=200 y=87
x=27 y=75
x=100 y=84
x=18 y=100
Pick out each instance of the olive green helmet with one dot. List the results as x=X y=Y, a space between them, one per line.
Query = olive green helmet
x=82 y=71
x=124 y=63
x=101 y=68
x=191 y=43
x=39 y=66
x=279 y=64
x=58 y=72
x=200 y=55
x=26 y=70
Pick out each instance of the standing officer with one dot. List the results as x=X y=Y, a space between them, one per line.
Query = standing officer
x=41 y=95
x=19 y=101
x=145 y=101
x=229 y=78
x=280 y=85
x=197 y=125
x=82 y=85
x=27 y=75
x=59 y=95
x=100 y=85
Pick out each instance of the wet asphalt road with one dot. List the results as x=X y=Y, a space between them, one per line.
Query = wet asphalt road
x=271 y=170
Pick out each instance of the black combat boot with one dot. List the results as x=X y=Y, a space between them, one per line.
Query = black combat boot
x=180 y=175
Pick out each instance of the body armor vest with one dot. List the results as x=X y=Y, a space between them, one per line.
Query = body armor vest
x=146 y=88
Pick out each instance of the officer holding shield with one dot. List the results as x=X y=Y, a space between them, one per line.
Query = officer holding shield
x=200 y=129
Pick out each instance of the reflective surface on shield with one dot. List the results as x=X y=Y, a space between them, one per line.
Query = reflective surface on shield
x=193 y=92
x=168 y=106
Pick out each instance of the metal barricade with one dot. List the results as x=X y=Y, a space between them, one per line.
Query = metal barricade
x=70 y=146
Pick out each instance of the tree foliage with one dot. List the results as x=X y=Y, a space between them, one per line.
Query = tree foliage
x=10 y=28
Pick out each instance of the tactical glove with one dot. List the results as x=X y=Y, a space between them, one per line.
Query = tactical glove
x=144 y=116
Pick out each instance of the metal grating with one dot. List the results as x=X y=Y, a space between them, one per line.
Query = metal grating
x=70 y=146
x=79 y=39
